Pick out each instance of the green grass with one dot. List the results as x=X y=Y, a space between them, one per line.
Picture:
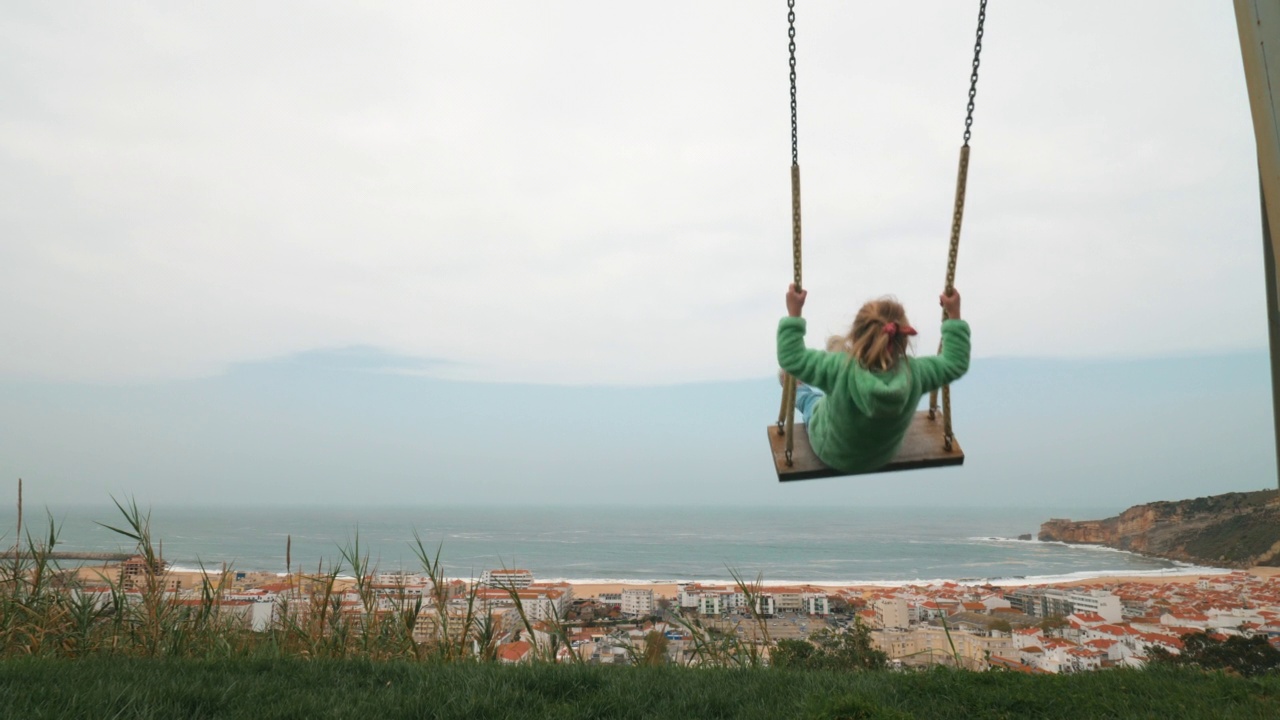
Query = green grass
x=292 y=688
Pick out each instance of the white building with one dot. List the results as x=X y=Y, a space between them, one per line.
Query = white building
x=939 y=645
x=1102 y=602
x=726 y=599
x=518 y=579
x=992 y=601
x=401 y=579
x=891 y=613
x=1028 y=638
x=710 y=604
x=787 y=599
x=815 y=604
x=1229 y=621
x=690 y=593
x=1185 y=619
x=538 y=604
x=637 y=602
x=766 y=605
x=1083 y=659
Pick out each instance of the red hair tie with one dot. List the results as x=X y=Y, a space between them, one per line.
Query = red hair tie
x=892 y=329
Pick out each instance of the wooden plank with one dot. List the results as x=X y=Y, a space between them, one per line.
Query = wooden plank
x=921 y=448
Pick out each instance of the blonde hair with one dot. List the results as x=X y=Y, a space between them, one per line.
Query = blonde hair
x=868 y=343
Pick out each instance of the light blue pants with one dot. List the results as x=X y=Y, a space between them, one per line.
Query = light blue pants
x=807 y=399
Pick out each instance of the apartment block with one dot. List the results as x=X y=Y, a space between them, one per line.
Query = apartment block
x=637 y=602
x=518 y=579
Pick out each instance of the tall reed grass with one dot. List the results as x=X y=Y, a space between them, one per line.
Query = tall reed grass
x=338 y=611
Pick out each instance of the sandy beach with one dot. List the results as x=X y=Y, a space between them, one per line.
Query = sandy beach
x=1262 y=572
x=670 y=590
x=191 y=579
x=589 y=590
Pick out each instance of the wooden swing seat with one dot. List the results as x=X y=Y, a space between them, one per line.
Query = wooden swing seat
x=921 y=448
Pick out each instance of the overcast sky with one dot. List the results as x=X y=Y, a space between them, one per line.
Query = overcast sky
x=586 y=192
x=194 y=196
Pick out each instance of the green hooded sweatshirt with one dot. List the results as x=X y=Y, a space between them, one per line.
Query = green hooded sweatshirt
x=860 y=423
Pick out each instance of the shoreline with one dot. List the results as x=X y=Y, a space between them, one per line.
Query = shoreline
x=1178 y=570
x=670 y=589
x=1176 y=576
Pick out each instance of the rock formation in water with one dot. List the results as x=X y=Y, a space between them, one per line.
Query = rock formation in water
x=1232 y=530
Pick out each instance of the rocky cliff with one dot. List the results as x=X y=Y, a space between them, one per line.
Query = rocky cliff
x=1232 y=530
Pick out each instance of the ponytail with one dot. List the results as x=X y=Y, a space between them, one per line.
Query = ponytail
x=880 y=335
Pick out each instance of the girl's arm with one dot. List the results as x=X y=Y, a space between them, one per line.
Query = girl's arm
x=814 y=367
x=809 y=366
x=944 y=369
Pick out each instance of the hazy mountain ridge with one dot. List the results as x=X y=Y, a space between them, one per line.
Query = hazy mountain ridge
x=1233 y=530
x=1099 y=434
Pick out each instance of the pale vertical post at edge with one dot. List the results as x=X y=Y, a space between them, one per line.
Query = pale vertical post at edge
x=1259 y=26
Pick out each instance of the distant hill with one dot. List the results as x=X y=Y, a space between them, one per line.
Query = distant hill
x=1232 y=530
x=1088 y=436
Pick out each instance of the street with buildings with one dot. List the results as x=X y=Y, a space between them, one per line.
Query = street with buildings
x=1033 y=629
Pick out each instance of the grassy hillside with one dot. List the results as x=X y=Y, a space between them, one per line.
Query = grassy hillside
x=267 y=689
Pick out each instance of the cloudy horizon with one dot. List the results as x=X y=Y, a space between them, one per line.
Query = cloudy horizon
x=595 y=198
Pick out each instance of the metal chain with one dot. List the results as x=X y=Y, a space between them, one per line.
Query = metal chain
x=962 y=182
x=795 y=149
x=787 y=415
x=957 y=216
x=973 y=78
x=791 y=46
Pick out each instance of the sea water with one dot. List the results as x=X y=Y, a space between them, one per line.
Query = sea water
x=645 y=544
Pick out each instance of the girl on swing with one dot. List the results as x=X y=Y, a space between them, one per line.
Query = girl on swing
x=858 y=398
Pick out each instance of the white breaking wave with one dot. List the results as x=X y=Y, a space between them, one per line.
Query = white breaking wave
x=1181 y=570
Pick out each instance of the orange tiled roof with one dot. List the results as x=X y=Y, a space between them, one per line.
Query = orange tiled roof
x=514 y=652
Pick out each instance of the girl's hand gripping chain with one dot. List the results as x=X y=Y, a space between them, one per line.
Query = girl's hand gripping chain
x=951 y=304
x=795 y=300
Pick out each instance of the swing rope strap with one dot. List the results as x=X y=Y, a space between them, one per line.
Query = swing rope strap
x=787 y=414
x=957 y=218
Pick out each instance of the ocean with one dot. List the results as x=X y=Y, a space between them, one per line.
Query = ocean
x=616 y=543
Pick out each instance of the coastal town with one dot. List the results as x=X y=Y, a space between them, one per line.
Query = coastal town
x=1062 y=628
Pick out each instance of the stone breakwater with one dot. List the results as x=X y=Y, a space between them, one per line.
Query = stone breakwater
x=1232 y=530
